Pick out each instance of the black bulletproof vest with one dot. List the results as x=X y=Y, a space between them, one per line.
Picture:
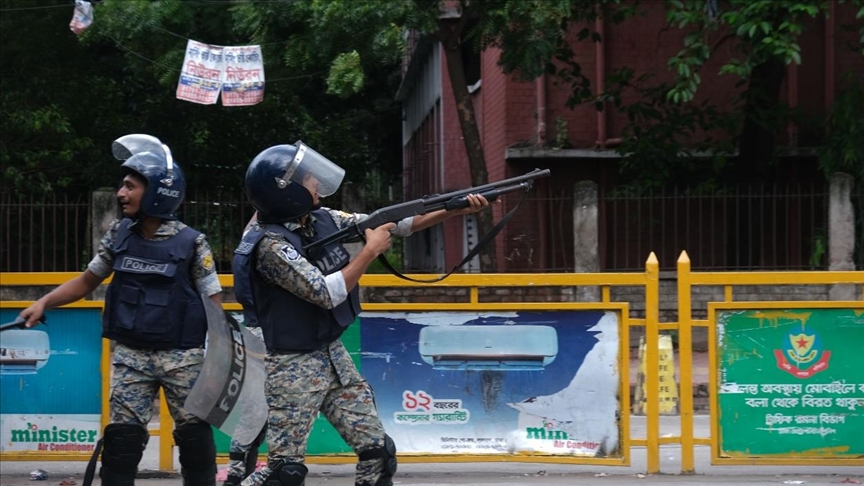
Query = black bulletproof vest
x=289 y=323
x=152 y=301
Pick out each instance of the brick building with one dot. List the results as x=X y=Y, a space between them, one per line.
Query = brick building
x=521 y=122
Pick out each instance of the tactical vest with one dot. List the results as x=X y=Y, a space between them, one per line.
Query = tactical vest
x=288 y=322
x=152 y=301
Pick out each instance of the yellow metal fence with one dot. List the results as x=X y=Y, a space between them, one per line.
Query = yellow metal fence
x=649 y=280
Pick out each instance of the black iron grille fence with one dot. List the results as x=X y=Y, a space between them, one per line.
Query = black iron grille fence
x=747 y=228
x=776 y=228
x=49 y=234
x=52 y=234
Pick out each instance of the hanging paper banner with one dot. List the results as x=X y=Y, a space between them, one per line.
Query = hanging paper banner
x=243 y=77
x=82 y=17
x=201 y=74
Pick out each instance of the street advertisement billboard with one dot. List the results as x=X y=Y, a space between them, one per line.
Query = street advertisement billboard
x=50 y=383
x=497 y=382
x=789 y=381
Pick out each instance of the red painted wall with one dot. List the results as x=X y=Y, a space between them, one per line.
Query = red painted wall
x=507 y=112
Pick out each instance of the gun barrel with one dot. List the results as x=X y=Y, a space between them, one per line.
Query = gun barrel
x=534 y=174
x=459 y=202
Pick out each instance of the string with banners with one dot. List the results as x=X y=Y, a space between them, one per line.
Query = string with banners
x=471 y=254
x=234 y=72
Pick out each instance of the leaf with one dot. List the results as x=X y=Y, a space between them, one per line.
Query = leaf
x=795 y=57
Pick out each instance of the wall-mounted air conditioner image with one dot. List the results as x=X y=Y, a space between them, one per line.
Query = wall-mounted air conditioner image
x=23 y=351
x=501 y=348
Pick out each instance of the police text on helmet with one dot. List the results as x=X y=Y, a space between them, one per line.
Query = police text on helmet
x=168 y=192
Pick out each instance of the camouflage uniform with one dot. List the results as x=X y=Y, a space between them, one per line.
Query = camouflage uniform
x=138 y=373
x=299 y=385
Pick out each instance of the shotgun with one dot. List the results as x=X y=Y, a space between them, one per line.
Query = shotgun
x=449 y=201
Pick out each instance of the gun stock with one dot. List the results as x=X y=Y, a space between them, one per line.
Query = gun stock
x=449 y=201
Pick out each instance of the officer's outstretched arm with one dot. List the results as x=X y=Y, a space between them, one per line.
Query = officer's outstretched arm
x=476 y=203
x=71 y=291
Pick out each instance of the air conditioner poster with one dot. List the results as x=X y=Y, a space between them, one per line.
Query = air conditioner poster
x=496 y=382
x=50 y=383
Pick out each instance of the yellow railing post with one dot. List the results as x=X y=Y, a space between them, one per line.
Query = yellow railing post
x=652 y=362
x=105 y=367
x=166 y=438
x=685 y=363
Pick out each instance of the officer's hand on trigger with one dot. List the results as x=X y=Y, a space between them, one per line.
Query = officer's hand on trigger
x=378 y=239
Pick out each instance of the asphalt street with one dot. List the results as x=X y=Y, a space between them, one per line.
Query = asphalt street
x=504 y=473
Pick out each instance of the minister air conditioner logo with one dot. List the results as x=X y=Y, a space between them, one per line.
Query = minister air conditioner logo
x=802 y=354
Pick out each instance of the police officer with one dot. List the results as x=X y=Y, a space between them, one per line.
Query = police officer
x=153 y=311
x=243 y=458
x=304 y=303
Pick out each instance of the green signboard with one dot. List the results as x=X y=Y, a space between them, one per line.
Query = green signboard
x=790 y=381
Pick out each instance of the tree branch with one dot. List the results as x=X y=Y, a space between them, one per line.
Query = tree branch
x=720 y=41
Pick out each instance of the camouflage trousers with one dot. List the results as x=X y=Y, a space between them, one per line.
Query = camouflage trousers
x=327 y=381
x=138 y=375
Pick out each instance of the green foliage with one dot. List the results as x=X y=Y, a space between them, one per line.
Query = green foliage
x=77 y=94
x=669 y=136
x=57 y=101
x=332 y=68
x=534 y=34
x=528 y=32
x=562 y=138
x=660 y=142
x=763 y=30
x=346 y=74
x=820 y=248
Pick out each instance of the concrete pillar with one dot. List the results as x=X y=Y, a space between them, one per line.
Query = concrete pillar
x=841 y=233
x=104 y=208
x=586 y=255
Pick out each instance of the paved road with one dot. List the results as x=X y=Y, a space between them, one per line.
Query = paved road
x=512 y=473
